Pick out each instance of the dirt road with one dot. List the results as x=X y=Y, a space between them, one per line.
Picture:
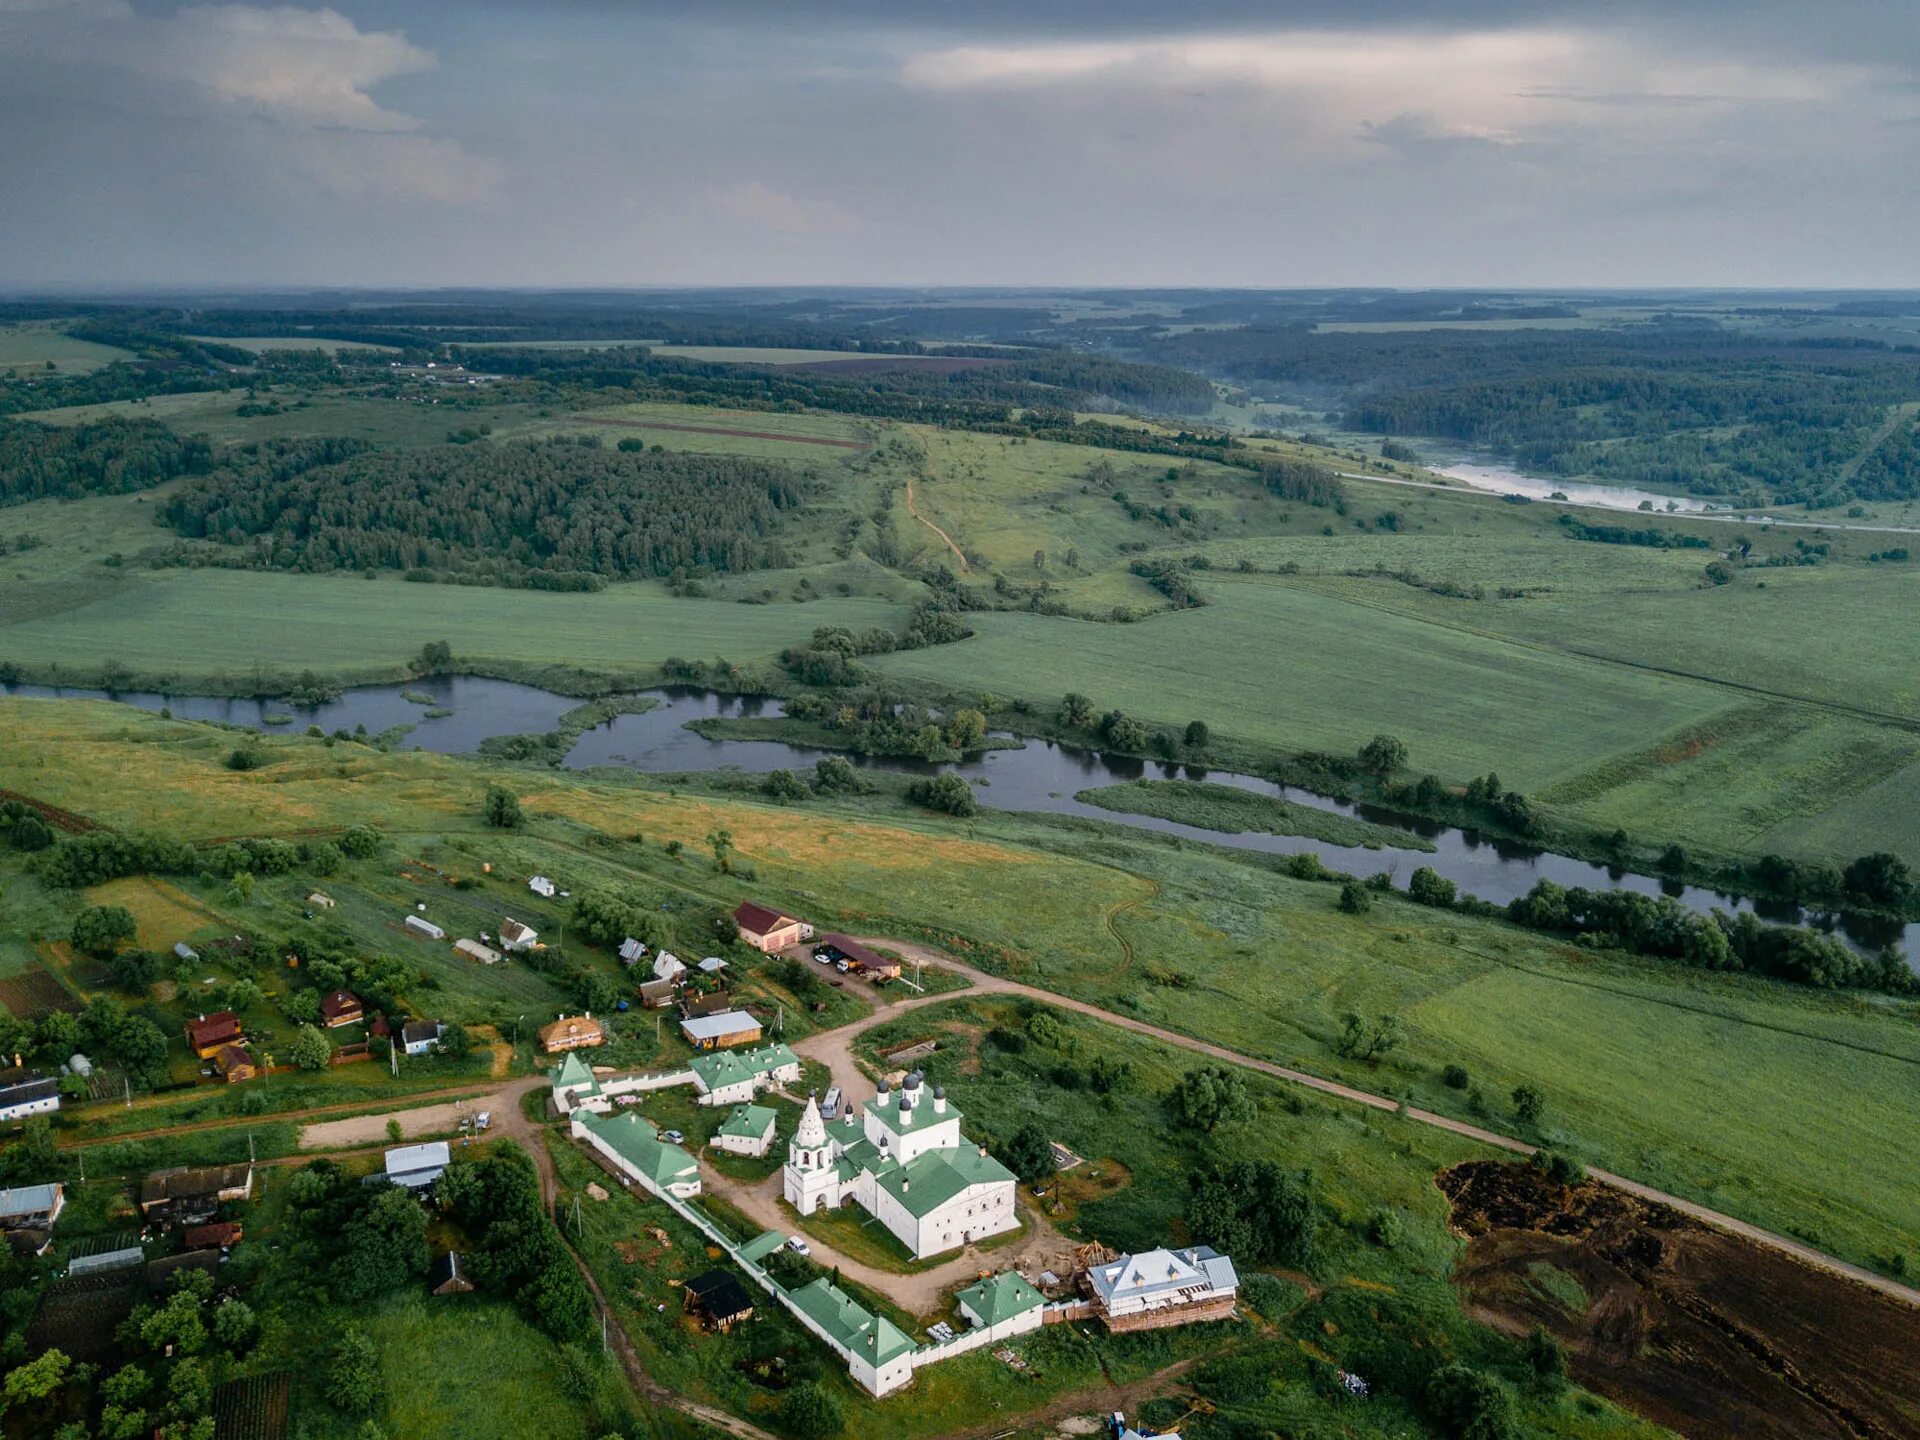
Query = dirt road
x=913 y=509
x=835 y=1050
x=371 y=1129
x=1039 y=1246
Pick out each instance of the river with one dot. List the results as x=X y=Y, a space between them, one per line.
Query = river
x=1039 y=776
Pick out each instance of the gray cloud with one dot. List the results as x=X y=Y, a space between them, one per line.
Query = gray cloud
x=849 y=141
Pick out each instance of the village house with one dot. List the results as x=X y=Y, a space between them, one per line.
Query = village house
x=1163 y=1287
x=423 y=926
x=514 y=936
x=571 y=1032
x=193 y=1196
x=768 y=930
x=656 y=994
x=718 y=1032
x=342 y=1007
x=25 y=1093
x=632 y=952
x=747 y=1131
x=32 y=1207
x=904 y=1160
x=220 y=1235
x=320 y=900
x=719 y=1299
x=208 y=1034
x=631 y=1147
x=417 y=1166
x=235 y=1063
x=474 y=950
x=417 y=1037
x=727 y=1077
x=668 y=966
x=542 y=886
x=713 y=967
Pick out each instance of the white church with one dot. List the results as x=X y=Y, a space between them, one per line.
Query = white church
x=904 y=1161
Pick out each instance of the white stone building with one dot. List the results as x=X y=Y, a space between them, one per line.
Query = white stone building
x=903 y=1159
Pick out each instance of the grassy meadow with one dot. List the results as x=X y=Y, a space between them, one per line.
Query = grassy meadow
x=1785 y=1106
x=46 y=347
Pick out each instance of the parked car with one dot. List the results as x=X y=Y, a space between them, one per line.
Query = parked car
x=823 y=956
x=798 y=1246
x=830 y=1107
x=483 y=1120
x=672 y=1136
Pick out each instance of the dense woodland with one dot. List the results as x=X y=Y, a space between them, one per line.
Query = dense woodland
x=113 y=457
x=557 y=508
x=1684 y=407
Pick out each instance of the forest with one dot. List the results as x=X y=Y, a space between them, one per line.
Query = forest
x=1688 y=407
x=112 y=457
x=554 y=507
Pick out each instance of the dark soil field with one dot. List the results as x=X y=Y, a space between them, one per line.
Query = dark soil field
x=1701 y=1331
x=35 y=995
x=876 y=364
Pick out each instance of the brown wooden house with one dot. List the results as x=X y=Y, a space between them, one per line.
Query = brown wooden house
x=208 y=1034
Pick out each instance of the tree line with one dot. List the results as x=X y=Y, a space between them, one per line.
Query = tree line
x=555 y=507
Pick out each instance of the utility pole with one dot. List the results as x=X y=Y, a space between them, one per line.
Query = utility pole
x=128 y=1084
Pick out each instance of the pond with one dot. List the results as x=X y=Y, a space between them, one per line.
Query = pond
x=1039 y=776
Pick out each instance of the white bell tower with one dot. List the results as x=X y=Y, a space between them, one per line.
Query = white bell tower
x=812 y=1175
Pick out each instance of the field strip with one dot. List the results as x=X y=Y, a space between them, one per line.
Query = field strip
x=1857 y=712
x=1718 y=519
x=720 y=430
x=990 y=984
x=471 y=1090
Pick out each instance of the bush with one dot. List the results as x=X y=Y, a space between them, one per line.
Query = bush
x=242 y=757
x=1455 y=1077
x=1355 y=898
x=502 y=808
x=1428 y=887
x=361 y=842
x=784 y=786
x=946 y=793
x=1469 y=1405
x=811 y=1413
x=353 y=1376
x=310 y=1049
x=1384 y=1228
x=1559 y=1167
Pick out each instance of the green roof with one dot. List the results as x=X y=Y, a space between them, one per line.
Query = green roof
x=761 y=1246
x=720 y=1068
x=925 y=1185
x=634 y=1139
x=749 y=1122
x=573 y=1073
x=1000 y=1297
x=874 y=1338
x=919 y=1117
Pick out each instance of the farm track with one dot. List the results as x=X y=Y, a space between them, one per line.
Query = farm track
x=471 y=1090
x=990 y=984
x=720 y=430
x=913 y=509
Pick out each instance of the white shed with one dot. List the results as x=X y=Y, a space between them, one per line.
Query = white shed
x=425 y=927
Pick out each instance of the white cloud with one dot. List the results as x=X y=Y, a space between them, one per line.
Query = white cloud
x=307 y=76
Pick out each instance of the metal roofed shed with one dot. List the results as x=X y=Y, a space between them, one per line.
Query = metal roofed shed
x=106 y=1260
x=729 y=1027
x=418 y=1166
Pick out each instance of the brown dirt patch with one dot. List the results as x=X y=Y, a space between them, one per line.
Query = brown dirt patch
x=721 y=430
x=1701 y=1331
x=35 y=995
x=56 y=817
x=1088 y=1181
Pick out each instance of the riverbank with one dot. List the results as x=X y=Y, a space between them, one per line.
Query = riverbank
x=1232 y=811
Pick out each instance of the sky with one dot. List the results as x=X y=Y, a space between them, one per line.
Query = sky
x=901 y=142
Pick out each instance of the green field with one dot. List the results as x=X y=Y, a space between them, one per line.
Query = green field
x=201 y=624
x=262 y=344
x=46 y=347
x=1232 y=811
x=1285 y=666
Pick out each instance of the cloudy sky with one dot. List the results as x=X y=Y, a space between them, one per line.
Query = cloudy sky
x=1108 y=142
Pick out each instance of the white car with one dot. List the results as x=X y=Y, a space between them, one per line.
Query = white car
x=798 y=1246
x=672 y=1137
